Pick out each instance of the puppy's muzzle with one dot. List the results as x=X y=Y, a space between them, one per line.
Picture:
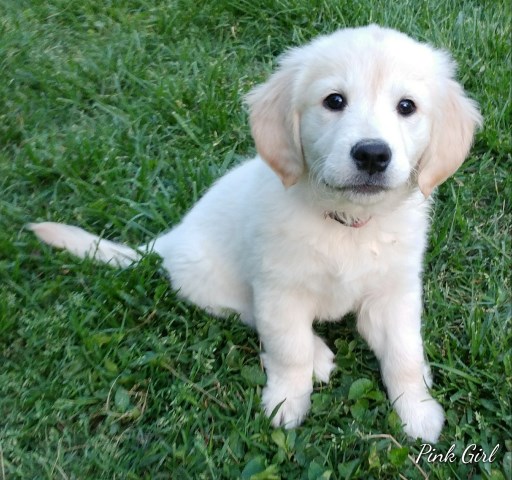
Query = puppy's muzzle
x=371 y=155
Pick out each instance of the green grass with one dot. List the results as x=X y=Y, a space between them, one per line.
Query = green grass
x=117 y=116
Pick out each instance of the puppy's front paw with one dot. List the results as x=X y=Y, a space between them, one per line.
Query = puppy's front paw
x=323 y=362
x=292 y=410
x=422 y=419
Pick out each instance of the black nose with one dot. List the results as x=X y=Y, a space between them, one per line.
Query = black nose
x=371 y=155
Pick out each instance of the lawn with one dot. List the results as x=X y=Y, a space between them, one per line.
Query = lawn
x=117 y=116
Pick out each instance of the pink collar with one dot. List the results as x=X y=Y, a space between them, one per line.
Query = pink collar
x=347 y=220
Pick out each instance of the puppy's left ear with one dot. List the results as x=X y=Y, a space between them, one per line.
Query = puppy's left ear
x=275 y=121
x=452 y=134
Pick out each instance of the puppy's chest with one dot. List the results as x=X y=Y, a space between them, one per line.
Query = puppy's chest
x=351 y=268
x=354 y=254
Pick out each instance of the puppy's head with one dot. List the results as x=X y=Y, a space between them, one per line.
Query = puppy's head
x=364 y=112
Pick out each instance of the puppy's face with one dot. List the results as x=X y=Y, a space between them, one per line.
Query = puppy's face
x=361 y=112
x=365 y=120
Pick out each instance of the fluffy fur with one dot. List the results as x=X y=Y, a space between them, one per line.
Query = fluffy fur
x=302 y=233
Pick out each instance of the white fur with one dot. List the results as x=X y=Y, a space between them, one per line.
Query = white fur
x=270 y=253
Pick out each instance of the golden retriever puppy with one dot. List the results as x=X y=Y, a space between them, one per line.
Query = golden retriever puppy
x=353 y=132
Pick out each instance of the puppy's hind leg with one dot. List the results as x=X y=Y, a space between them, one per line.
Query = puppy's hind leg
x=204 y=274
x=323 y=361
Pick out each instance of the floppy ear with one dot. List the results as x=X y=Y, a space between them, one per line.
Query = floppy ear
x=454 y=123
x=275 y=122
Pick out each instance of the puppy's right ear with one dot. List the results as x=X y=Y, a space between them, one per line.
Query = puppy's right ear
x=454 y=124
x=275 y=121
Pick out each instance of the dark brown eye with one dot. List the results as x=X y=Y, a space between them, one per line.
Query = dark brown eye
x=406 y=107
x=335 y=102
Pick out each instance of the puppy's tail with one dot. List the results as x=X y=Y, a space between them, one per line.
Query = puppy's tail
x=84 y=244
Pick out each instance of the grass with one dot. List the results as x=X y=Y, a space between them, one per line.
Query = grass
x=117 y=116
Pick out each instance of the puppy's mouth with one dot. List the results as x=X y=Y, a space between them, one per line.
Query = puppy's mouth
x=365 y=189
x=360 y=189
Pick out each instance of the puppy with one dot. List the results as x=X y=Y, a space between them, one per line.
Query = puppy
x=353 y=132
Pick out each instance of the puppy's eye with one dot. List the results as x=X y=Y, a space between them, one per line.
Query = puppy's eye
x=406 y=107
x=335 y=102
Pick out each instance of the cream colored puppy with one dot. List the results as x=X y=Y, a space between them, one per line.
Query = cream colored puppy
x=353 y=131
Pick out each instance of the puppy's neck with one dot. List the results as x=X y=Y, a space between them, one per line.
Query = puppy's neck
x=347 y=219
